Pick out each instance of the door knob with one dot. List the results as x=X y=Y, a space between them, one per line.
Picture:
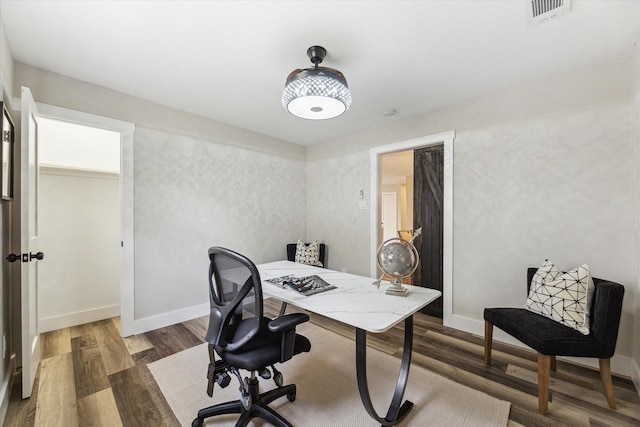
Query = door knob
x=13 y=257
x=38 y=256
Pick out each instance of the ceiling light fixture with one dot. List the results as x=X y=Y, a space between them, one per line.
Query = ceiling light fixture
x=316 y=93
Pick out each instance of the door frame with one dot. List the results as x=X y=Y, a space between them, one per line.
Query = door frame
x=126 y=130
x=447 y=139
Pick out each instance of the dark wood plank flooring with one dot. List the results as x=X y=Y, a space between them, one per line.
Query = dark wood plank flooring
x=89 y=376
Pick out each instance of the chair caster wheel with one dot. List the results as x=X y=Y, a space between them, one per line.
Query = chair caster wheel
x=197 y=422
x=291 y=397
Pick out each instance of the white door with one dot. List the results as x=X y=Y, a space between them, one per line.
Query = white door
x=389 y=216
x=29 y=242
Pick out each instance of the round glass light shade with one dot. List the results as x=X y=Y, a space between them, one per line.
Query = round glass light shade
x=316 y=93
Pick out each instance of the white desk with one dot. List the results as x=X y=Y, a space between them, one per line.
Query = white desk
x=357 y=302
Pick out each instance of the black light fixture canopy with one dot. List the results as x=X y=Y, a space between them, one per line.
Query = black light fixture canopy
x=316 y=93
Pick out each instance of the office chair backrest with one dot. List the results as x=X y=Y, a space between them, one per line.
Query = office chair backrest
x=234 y=284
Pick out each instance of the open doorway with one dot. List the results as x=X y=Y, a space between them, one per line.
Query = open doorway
x=396 y=196
x=445 y=141
x=411 y=192
x=80 y=224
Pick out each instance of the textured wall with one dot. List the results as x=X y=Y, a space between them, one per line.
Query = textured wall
x=197 y=183
x=7 y=225
x=635 y=119
x=191 y=194
x=6 y=66
x=334 y=216
x=80 y=229
x=541 y=170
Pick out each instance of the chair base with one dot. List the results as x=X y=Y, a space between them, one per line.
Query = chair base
x=257 y=409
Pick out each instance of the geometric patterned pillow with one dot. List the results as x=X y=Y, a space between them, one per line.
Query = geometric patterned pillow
x=565 y=298
x=308 y=254
x=546 y=272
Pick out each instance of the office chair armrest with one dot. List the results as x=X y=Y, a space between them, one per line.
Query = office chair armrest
x=288 y=321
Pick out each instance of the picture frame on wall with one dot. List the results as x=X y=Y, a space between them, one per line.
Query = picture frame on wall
x=7 y=154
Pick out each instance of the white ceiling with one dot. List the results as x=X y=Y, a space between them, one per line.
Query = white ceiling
x=228 y=60
x=396 y=167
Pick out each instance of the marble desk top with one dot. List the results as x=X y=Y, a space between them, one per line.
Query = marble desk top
x=356 y=301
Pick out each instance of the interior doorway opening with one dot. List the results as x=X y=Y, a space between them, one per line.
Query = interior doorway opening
x=411 y=191
x=396 y=196
x=445 y=140
x=80 y=224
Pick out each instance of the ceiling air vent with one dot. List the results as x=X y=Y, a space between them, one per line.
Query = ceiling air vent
x=543 y=10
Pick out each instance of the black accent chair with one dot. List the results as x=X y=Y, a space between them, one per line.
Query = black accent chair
x=550 y=338
x=243 y=338
x=291 y=252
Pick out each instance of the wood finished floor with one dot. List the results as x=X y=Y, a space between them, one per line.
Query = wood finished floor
x=90 y=376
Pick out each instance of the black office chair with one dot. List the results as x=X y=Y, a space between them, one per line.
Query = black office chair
x=244 y=339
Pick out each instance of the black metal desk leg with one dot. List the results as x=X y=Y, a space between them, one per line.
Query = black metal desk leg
x=397 y=410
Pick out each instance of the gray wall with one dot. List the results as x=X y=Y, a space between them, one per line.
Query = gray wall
x=8 y=325
x=635 y=119
x=79 y=213
x=541 y=170
x=197 y=183
x=191 y=194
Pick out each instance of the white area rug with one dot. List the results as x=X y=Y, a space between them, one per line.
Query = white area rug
x=327 y=393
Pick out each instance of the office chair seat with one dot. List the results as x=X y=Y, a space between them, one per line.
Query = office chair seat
x=264 y=350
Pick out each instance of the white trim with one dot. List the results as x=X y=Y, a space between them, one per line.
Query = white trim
x=635 y=375
x=7 y=386
x=126 y=129
x=170 y=318
x=78 y=318
x=78 y=172
x=447 y=139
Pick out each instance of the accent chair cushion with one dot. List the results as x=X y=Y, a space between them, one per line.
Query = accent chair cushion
x=308 y=254
x=565 y=298
x=544 y=334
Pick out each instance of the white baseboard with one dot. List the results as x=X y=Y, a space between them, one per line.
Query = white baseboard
x=171 y=318
x=635 y=375
x=7 y=385
x=620 y=365
x=78 y=318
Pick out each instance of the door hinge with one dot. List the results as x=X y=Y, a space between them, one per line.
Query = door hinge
x=6 y=136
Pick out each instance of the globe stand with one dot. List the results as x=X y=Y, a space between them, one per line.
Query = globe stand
x=396 y=288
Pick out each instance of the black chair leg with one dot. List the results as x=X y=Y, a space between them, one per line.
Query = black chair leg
x=272 y=416
x=232 y=407
x=271 y=395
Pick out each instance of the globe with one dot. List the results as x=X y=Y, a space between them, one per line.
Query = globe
x=397 y=258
